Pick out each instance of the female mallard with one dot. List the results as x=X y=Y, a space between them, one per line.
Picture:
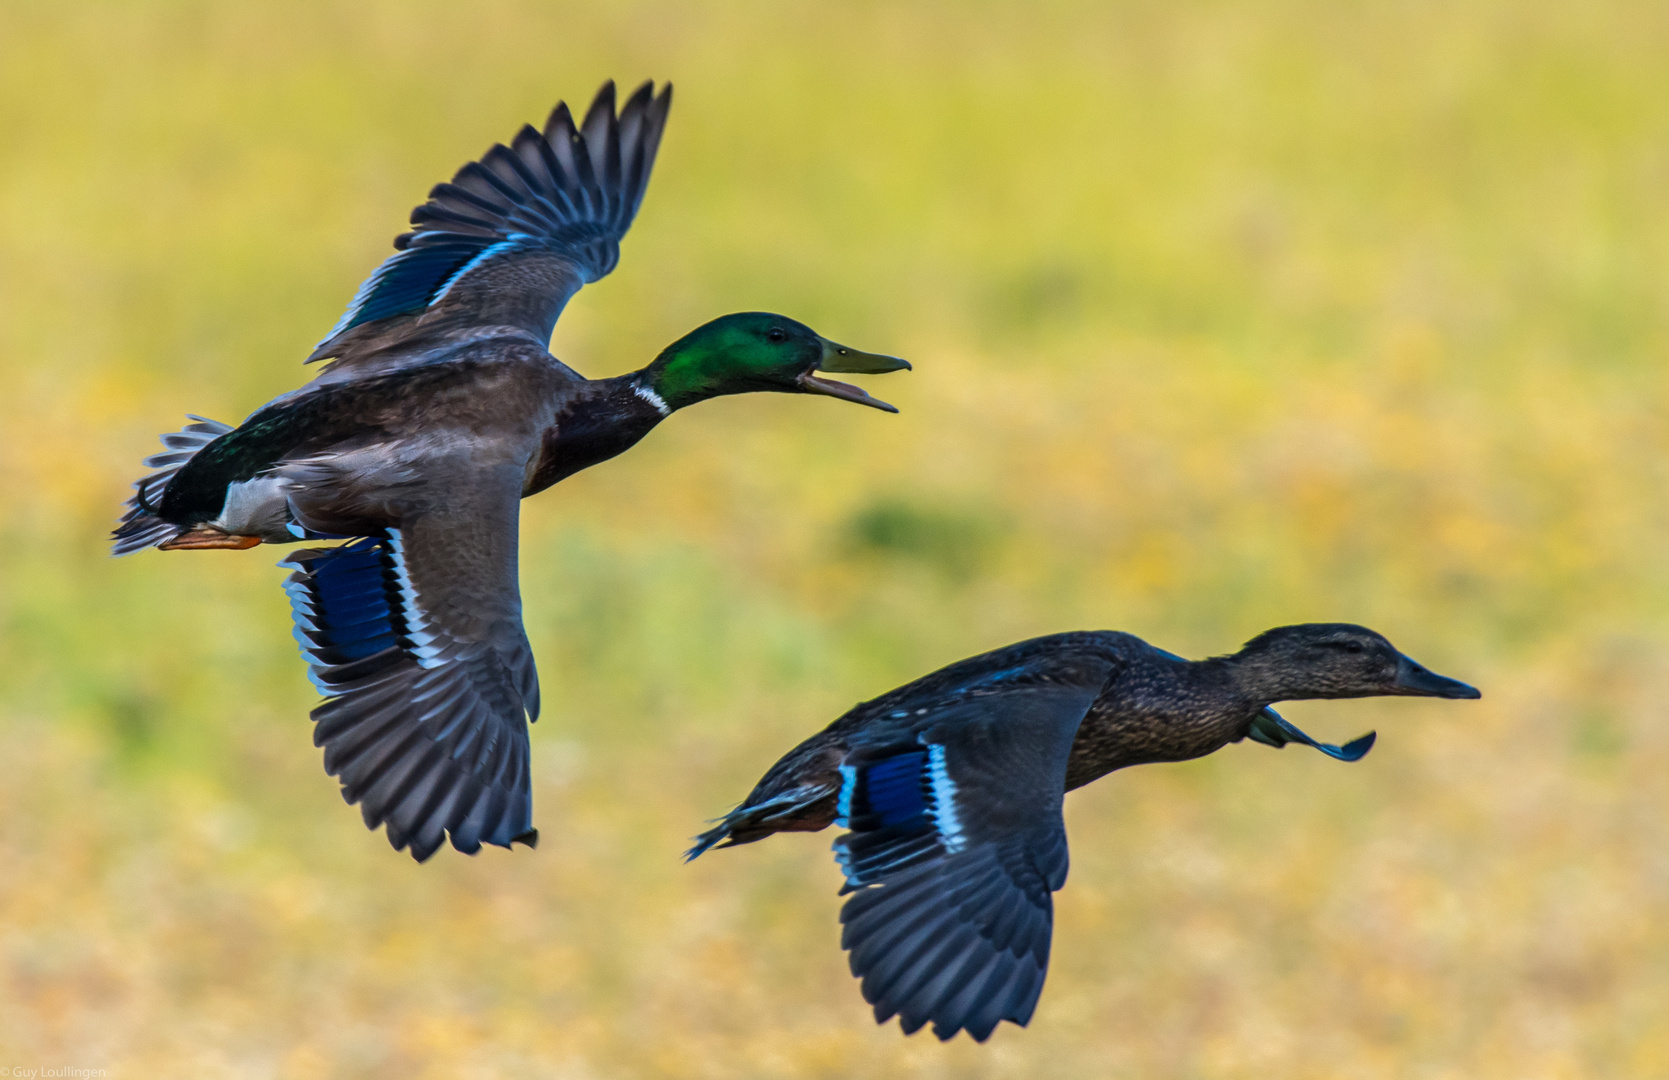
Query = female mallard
x=441 y=411
x=951 y=788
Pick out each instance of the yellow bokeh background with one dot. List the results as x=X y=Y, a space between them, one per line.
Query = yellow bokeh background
x=1223 y=315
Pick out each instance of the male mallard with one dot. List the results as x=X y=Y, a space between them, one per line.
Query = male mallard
x=441 y=411
x=951 y=788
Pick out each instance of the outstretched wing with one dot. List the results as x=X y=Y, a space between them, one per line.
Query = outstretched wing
x=416 y=636
x=956 y=844
x=513 y=236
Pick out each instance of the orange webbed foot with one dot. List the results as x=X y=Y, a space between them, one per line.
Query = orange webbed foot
x=204 y=537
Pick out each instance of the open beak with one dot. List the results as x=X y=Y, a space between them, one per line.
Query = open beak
x=1414 y=680
x=841 y=359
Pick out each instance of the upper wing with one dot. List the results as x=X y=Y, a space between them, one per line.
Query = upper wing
x=956 y=844
x=417 y=636
x=516 y=234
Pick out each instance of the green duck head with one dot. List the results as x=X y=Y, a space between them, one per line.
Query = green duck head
x=756 y=350
x=1334 y=660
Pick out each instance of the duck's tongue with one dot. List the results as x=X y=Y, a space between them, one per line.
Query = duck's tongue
x=1272 y=729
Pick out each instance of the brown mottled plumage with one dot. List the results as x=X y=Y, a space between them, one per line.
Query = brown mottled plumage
x=951 y=787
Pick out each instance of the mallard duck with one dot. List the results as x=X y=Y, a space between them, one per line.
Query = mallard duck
x=951 y=787
x=442 y=410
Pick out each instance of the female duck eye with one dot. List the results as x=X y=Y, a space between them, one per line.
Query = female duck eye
x=1353 y=646
x=776 y=334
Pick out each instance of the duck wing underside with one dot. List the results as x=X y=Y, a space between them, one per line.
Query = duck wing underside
x=415 y=635
x=512 y=237
x=956 y=845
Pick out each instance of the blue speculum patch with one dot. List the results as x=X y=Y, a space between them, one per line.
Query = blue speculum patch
x=351 y=602
x=892 y=789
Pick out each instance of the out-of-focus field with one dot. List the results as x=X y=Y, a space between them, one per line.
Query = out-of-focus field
x=1224 y=316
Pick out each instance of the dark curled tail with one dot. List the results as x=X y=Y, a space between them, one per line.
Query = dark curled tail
x=141 y=526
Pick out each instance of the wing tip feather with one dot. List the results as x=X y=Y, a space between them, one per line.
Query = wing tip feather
x=608 y=196
x=398 y=767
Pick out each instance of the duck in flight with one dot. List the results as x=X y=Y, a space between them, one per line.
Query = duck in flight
x=441 y=409
x=950 y=789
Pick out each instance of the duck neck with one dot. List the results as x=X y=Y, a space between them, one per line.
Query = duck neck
x=606 y=418
x=1260 y=680
x=1160 y=709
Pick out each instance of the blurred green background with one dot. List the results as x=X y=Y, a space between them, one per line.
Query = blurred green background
x=1223 y=315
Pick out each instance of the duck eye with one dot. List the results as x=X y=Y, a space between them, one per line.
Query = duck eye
x=776 y=333
x=1353 y=646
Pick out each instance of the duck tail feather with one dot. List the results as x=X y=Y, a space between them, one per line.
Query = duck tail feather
x=719 y=836
x=141 y=526
x=752 y=822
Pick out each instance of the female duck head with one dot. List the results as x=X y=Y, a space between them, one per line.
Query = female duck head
x=755 y=350
x=1334 y=660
